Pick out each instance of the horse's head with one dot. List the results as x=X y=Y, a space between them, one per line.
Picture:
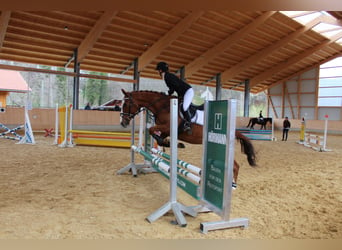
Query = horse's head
x=129 y=109
x=136 y=101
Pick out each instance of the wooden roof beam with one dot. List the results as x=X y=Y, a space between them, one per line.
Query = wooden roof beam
x=4 y=20
x=335 y=14
x=254 y=59
x=331 y=20
x=210 y=54
x=57 y=72
x=88 y=43
x=148 y=56
x=281 y=66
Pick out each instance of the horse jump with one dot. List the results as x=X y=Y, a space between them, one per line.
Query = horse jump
x=70 y=137
x=263 y=122
x=28 y=137
x=216 y=183
x=186 y=180
x=13 y=131
x=194 y=169
x=313 y=141
x=253 y=134
x=159 y=105
x=316 y=142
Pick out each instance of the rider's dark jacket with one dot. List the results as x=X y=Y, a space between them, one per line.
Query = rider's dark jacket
x=175 y=84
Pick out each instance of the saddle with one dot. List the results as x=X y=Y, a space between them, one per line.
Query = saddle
x=193 y=108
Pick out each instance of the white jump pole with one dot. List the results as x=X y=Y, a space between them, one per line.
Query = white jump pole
x=273 y=138
x=141 y=129
x=133 y=166
x=65 y=127
x=70 y=140
x=172 y=204
x=28 y=138
x=325 y=132
x=56 y=126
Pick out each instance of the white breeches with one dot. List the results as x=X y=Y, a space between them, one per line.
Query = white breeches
x=189 y=95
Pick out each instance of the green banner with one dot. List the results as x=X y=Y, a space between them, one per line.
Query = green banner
x=215 y=158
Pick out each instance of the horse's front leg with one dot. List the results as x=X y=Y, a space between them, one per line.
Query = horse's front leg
x=159 y=133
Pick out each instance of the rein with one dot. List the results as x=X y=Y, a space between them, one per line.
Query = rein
x=129 y=114
x=131 y=103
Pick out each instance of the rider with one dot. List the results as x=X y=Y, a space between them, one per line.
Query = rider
x=183 y=90
x=261 y=118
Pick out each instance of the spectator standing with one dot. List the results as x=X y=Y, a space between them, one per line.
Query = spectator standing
x=286 y=128
x=87 y=107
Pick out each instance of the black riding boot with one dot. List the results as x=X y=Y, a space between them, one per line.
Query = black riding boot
x=187 y=121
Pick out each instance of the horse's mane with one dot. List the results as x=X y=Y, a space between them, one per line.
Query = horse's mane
x=151 y=96
x=151 y=92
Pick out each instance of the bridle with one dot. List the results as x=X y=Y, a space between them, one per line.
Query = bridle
x=131 y=104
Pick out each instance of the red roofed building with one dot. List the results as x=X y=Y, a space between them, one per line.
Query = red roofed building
x=11 y=81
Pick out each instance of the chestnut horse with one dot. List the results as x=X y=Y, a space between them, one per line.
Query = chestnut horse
x=159 y=104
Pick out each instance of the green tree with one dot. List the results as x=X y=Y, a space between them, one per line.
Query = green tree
x=258 y=102
x=62 y=87
x=91 y=93
x=95 y=90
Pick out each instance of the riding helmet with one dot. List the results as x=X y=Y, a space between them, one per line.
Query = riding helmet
x=162 y=66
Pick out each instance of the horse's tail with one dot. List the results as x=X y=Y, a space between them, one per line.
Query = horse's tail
x=246 y=147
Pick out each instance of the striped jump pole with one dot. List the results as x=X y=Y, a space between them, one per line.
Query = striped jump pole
x=10 y=131
x=254 y=134
x=28 y=138
x=186 y=180
x=181 y=163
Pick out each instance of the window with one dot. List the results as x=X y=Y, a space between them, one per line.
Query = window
x=330 y=84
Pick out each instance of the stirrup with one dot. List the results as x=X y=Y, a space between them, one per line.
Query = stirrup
x=187 y=127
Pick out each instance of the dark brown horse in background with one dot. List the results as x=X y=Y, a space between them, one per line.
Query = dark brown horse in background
x=159 y=104
x=262 y=121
